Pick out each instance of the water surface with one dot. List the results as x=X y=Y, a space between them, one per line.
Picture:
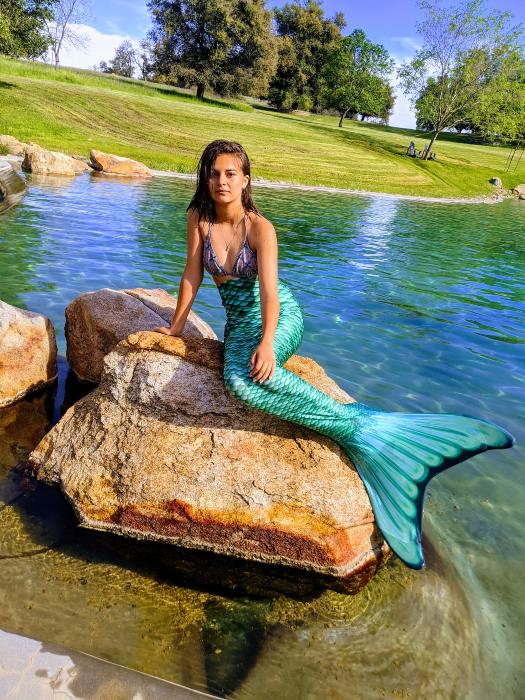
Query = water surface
x=409 y=306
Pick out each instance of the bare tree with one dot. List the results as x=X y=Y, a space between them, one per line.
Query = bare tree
x=60 y=29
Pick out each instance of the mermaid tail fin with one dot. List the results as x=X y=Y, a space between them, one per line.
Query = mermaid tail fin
x=396 y=455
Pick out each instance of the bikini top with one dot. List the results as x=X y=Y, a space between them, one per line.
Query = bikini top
x=245 y=265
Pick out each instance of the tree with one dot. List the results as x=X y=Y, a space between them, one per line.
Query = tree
x=378 y=100
x=103 y=67
x=124 y=60
x=305 y=40
x=354 y=78
x=224 y=46
x=22 y=27
x=60 y=28
x=464 y=49
x=500 y=113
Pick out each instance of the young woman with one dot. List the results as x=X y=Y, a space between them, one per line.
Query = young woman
x=396 y=454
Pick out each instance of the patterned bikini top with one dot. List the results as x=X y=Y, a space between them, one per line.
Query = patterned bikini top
x=245 y=265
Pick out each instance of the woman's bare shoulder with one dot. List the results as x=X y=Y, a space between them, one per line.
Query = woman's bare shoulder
x=260 y=225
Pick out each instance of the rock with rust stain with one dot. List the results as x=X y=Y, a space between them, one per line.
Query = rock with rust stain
x=28 y=353
x=117 y=165
x=97 y=321
x=161 y=451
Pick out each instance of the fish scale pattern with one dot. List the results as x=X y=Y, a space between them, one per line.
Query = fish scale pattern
x=396 y=454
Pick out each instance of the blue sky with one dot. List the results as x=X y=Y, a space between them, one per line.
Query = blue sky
x=389 y=22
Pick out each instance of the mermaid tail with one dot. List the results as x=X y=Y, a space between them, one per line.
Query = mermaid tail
x=396 y=454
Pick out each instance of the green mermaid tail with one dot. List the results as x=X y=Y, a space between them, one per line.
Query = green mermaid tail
x=396 y=454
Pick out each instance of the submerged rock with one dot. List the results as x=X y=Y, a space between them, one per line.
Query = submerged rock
x=28 y=353
x=97 y=321
x=12 y=186
x=161 y=451
x=41 y=162
x=117 y=165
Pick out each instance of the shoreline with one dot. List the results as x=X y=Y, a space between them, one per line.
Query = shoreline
x=496 y=198
x=280 y=185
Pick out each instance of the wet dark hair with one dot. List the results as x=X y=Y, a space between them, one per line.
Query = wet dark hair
x=201 y=200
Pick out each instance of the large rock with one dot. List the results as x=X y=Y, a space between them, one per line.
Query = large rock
x=519 y=189
x=41 y=162
x=14 y=146
x=117 y=165
x=28 y=353
x=161 y=451
x=12 y=186
x=96 y=321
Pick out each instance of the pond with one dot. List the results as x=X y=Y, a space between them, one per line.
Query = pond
x=408 y=306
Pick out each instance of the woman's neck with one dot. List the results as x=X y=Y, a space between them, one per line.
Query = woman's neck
x=230 y=213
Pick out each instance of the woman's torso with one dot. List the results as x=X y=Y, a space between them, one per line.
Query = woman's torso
x=240 y=261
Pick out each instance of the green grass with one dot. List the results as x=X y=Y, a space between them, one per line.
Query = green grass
x=74 y=110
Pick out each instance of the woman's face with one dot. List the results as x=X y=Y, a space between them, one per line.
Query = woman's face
x=227 y=180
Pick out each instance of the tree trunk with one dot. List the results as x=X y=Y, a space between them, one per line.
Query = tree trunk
x=432 y=141
x=343 y=115
x=200 y=91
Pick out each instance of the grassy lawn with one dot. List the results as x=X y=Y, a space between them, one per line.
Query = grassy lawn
x=166 y=128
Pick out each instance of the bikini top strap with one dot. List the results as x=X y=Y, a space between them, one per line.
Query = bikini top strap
x=245 y=218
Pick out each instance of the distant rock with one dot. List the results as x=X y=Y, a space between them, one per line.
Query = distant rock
x=162 y=451
x=496 y=181
x=28 y=352
x=116 y=165
x=14 y=146
x=41 y=162
x=97 y=321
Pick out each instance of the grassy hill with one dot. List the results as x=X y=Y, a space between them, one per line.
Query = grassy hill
x=74 y=110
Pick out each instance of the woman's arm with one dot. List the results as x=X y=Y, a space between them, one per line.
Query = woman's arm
x=263 y=357
x=191 y=277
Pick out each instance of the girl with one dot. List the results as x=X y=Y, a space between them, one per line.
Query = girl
x=396 y=454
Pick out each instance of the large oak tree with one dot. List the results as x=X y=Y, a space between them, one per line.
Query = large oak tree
x=227 y=47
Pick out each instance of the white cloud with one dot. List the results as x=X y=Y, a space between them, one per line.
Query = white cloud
x=403 y=114
x=101 y=47
x=407 y=43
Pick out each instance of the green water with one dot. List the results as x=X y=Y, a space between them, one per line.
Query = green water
x=409 y=306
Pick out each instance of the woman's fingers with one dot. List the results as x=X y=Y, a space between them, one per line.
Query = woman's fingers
x=265 y=371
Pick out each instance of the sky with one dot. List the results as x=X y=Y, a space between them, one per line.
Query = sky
x=388 y=22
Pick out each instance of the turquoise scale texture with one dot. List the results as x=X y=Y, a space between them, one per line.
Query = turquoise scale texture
x=396 y=454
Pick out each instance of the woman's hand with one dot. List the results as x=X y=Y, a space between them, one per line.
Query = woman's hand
x=262 y=362
x=163 y=329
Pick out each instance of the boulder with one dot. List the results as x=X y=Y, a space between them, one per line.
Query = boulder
x=41 y=162
x=96 y=321
x=161 y=451
x=519 y=189
x=12 y=186
x=117 y=165
x=14 y=146
x=28 y=353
